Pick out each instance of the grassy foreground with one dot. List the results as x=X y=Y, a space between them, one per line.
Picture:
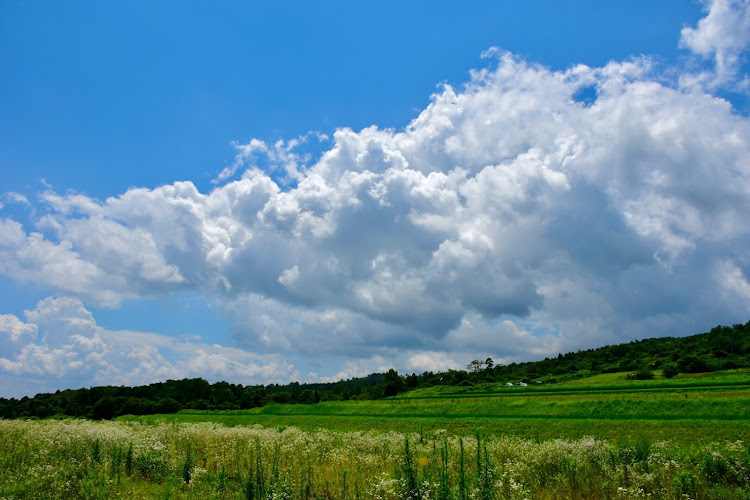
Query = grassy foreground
x=601 y=438
x=87 y=459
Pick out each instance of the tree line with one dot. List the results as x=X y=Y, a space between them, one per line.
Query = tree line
x=721 y=348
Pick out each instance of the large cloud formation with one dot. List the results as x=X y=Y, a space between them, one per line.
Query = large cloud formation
x=528 y=212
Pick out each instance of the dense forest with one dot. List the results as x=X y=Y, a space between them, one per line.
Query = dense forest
x=722 y=348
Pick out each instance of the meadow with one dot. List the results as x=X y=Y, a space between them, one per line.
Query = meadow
x=602 y=437
x=685 y=410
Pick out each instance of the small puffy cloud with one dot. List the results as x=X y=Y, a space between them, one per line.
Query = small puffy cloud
x=289 y=276
x=15 y=334
x=734 y=281
x=17 y=198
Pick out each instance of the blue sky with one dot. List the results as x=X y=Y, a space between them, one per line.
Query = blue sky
x=287 y=190
x=101 y=96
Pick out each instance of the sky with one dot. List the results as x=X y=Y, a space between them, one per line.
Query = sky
x=288 y=191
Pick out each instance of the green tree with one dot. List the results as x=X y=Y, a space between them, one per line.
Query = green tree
x=104 y=409
x=393 y=383
x=474 y=366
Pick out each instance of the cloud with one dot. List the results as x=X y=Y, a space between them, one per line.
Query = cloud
x=14 y=333
x=432 y=362
x=360 y=368
x=510 y=218
x=60 y=340
x=723 y=35
x=282 y=158
x=16 y=198
x=11 y=233
x=734 y=280
x=289 y=276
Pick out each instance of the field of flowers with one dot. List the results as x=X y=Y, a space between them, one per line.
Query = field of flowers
x=87 y=459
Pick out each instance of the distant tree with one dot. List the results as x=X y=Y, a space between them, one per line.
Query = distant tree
x=489 y=364
x=9 y=410
x=669 y=371
x=393 y=383
x=281 y=397
x=306 y=397
x=595 y=365
x=372 y=393
x=135 y=406
x=474 y=366
x=104 y=408
x=455 y=377
x=252 y=397
x=191 y=389
x=198 y=404
x=167 y=405
x=692 y=364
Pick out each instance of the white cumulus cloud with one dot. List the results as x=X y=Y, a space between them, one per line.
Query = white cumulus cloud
x=723 y=35
x=60 y=340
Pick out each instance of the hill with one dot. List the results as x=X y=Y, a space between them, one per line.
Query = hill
x=722 y=348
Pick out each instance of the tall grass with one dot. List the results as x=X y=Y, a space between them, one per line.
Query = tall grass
x=85 y=459
x=687 y=431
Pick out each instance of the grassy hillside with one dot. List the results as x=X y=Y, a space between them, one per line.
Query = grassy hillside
x=685 y=409
x=606 y=383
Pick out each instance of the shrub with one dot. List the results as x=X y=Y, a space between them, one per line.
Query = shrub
x=641 y=374
x=692 y=364
x=151 y=465
x=686 y=483
x=669 y=371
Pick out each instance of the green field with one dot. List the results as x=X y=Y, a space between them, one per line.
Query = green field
x=601 y=437
x=687 y=409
